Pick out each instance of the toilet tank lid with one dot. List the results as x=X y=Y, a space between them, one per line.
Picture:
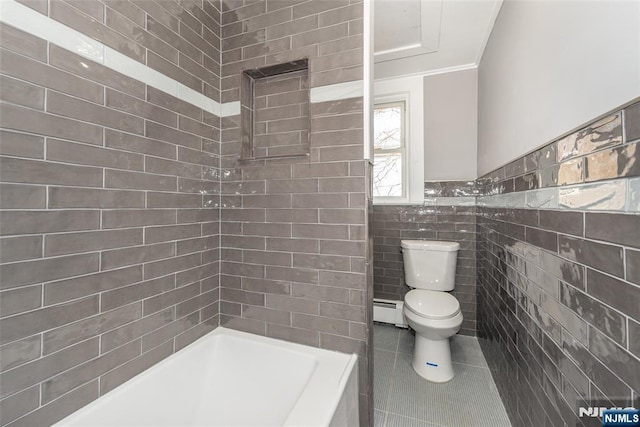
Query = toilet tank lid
x=430 y=245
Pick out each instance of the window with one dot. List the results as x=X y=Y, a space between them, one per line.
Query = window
x=397 y=142
x=389 y=150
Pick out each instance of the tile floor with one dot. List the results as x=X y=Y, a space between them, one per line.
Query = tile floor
x=404 y=399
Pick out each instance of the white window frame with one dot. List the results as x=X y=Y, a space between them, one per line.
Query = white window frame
x=410 y=90
x=389 y=102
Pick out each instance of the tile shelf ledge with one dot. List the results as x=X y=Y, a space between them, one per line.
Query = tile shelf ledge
x=249 y=160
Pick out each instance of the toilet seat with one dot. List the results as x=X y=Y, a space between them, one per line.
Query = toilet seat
x=434 y=305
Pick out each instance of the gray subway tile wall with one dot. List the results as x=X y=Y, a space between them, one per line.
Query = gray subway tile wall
x=113 y=191
x=558 y=288
x=110 y=193
x=294 y=249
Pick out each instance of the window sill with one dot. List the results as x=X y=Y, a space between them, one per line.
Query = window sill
x=396 y=201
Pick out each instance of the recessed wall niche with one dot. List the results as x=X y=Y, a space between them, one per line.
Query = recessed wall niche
x=275 y=111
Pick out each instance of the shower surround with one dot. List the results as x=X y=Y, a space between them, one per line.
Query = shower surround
x=110 y=189
x=129 y=225
x=293 y=228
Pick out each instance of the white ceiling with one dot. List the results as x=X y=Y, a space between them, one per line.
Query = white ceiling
x=430 y=36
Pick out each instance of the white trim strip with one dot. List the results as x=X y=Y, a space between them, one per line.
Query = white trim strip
x=367 y=74
x=337 y=91
x=230 y=109
x=134 y=69
x=431 y=72
x=32 y=22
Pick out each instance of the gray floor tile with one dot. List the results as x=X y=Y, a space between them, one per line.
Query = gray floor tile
x=470 y=399
x=379 y=418
x=405 y=344
x=467 y=350
x=395 y=420
x=402 y=398
x=383 y=362
x=385 y=337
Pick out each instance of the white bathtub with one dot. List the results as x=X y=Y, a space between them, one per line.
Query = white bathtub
x=231 y=378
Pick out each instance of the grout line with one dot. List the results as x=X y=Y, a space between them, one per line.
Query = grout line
x=387 y=409
x=416 y=419
x=393 y=377
x=471 y=366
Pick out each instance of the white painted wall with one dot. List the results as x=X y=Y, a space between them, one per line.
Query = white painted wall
x=551 y=66
x=450 y=125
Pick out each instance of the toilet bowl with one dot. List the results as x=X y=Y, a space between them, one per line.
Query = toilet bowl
x=435 y=317
x=430 y=310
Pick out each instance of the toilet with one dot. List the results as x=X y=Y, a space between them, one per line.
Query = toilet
x=433 y=313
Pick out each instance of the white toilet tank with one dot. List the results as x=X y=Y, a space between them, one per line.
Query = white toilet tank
x=430 y=264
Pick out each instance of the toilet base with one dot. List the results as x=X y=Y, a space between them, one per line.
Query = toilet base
x=432 y=359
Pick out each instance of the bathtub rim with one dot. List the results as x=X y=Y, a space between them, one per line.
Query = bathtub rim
x=329 y=379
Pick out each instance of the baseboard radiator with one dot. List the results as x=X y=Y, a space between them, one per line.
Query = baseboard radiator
x=389 y=311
